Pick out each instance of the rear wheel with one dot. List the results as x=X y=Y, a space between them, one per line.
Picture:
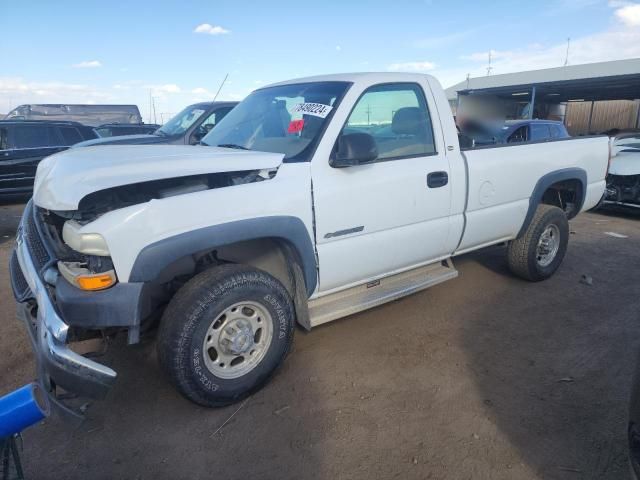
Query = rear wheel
x=225 y=333
x=539 y=252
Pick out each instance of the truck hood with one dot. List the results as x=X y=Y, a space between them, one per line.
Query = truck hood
x=63 y=179
x=626 y=162
x=140 y=139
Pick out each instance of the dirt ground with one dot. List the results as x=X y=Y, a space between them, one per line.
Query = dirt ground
x=483 y=377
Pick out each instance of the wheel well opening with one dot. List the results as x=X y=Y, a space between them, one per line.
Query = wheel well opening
x=275 y=256
x=567 y=194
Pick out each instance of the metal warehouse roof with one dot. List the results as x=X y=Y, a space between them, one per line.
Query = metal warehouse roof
x=616 y=80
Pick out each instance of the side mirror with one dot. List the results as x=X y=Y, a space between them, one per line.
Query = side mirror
x=354 y=149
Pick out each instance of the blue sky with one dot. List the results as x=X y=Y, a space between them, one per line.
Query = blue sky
x=117 y=52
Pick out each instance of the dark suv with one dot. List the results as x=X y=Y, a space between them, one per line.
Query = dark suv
x=23 y=143
x=186 y=128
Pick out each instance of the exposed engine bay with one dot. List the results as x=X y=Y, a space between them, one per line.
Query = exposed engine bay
x=623 y=190
x=98 y=203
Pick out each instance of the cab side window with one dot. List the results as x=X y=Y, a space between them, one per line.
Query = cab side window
x=520 y=135
x=4 y=139
x=213 y=119
x=397 y=117
x=556 y=131
x=539 y=132
x=207 y=125
x=70 y=135
x=30 y=136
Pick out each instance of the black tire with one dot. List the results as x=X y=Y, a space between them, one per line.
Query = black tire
x=190 y=315
x=523 y=254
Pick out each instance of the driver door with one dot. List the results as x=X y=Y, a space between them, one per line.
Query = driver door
x=392 y=214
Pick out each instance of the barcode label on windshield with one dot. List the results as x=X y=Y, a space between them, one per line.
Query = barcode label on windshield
x=315 y=109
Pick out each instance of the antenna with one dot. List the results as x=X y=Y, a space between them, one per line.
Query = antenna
x=220 y=87
x=489 y=67
x=566 y=58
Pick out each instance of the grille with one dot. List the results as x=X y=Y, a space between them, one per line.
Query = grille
x=39 y=254
x=18 y=282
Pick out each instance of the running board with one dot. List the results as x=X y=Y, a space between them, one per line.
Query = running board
x=362 y=297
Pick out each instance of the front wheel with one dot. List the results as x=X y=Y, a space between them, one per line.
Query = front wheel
x=539 y=252
x=224 y=334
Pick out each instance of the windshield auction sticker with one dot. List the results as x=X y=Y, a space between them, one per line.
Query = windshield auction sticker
x=315 y=109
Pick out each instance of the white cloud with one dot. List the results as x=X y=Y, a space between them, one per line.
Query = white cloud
x=338 y=48
x=87 y=64
x=161 y=90
x=411 y=67
x=200 y=91
x=616 y=44
x=209 y=29
x=629 y=15
x=15 y=91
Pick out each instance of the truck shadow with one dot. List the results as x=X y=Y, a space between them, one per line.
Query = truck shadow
x=553 y=361
x=144 y=429
x=619 y=212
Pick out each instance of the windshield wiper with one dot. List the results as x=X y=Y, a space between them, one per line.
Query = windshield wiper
x=232 y=145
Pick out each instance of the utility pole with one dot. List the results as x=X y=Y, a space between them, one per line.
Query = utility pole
x=150 y=107
x=489 y=67
x=566 y=58
x=155 y=120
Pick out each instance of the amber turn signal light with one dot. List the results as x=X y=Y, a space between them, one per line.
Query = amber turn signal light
x=95 y=282
x=77 y=274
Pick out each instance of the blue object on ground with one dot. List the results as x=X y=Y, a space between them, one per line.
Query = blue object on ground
x=22 y=408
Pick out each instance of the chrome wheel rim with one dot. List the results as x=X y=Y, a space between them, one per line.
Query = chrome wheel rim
x=548 y=245
x=237 y=340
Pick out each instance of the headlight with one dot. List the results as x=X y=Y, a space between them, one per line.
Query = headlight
x=87 y=243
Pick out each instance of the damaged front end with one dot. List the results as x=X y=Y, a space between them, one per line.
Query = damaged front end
x=623 y=176
x=65 y=366
x=64 y=278
x=623 y=190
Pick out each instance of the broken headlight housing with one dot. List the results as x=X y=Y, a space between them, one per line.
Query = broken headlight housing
x=87 y=243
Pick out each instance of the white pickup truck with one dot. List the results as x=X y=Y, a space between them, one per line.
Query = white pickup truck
x=312 y=200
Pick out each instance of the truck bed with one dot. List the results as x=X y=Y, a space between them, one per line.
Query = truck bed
x=502 y=179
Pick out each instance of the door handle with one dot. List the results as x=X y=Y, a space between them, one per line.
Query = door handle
x=437 y=179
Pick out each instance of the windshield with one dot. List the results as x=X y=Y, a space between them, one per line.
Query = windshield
x=181 y=122
x=286 y=119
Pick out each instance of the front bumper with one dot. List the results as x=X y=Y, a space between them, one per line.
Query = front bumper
x=58 y=365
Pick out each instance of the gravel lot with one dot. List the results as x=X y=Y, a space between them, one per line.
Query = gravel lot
x=484 y=377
